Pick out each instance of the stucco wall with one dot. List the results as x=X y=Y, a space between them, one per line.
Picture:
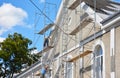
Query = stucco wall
x=106 y=42
x=105 y=39
x=117 y=53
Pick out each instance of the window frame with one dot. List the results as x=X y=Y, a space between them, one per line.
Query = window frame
x=100 y=43
x=98 y=57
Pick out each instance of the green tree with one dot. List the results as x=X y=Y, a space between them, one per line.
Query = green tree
x=15 y=53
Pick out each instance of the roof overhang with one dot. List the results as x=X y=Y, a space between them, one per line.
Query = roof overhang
x=111 y=20
x=91 y=13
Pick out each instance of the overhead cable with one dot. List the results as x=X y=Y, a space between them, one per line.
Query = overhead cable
x=50 y=19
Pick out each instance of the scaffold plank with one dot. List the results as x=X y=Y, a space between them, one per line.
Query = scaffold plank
x=45 y=29
x=80 y=56
x=74 y=4
x=81 y=25
x=47 y=48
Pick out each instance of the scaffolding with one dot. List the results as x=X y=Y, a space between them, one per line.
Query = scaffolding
x=81 y=55
x=85 y=19
x=61 y=66
x=74 y=4
x=34 y=69
x=61 y=36
x=46 y=28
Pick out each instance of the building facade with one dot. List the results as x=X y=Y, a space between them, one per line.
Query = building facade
x=84 y=41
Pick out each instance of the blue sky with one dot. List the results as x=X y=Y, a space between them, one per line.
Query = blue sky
x=21 y=16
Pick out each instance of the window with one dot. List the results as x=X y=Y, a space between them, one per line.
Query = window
x=98 y=62
x=69 y=21
x=69 y=70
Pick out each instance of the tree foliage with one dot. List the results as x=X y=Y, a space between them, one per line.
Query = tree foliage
x=15 y=53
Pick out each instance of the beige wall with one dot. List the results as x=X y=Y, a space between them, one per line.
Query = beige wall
x=106 y=42
x=89 y=46
x=72 y=41
x=117 y=53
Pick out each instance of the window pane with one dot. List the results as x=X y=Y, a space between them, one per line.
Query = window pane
x=69 y=70
x=98 y=63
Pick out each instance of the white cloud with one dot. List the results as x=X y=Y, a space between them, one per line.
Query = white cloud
x=10 y=16
x=1 y=39
x=34 y=52
x=42 y=1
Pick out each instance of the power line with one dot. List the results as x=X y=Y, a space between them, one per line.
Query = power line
x=50 y=19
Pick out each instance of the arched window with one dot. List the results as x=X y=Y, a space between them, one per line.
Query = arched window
x=98 y=62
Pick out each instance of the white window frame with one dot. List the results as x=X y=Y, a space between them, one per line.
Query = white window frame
x=98 y=42
x=97 y=59
x=112 y=48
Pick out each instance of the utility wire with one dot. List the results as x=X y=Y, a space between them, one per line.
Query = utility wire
x=50 y=19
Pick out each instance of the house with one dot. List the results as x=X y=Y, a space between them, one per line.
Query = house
x=85 y=40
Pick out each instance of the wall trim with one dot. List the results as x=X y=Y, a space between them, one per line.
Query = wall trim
x=112 y=51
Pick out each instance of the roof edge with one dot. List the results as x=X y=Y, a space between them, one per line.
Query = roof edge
x=105 y=21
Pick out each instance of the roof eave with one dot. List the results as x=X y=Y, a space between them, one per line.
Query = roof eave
x=111 y=20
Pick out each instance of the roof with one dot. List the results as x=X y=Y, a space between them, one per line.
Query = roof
x=104 y=8
x=111 y=17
